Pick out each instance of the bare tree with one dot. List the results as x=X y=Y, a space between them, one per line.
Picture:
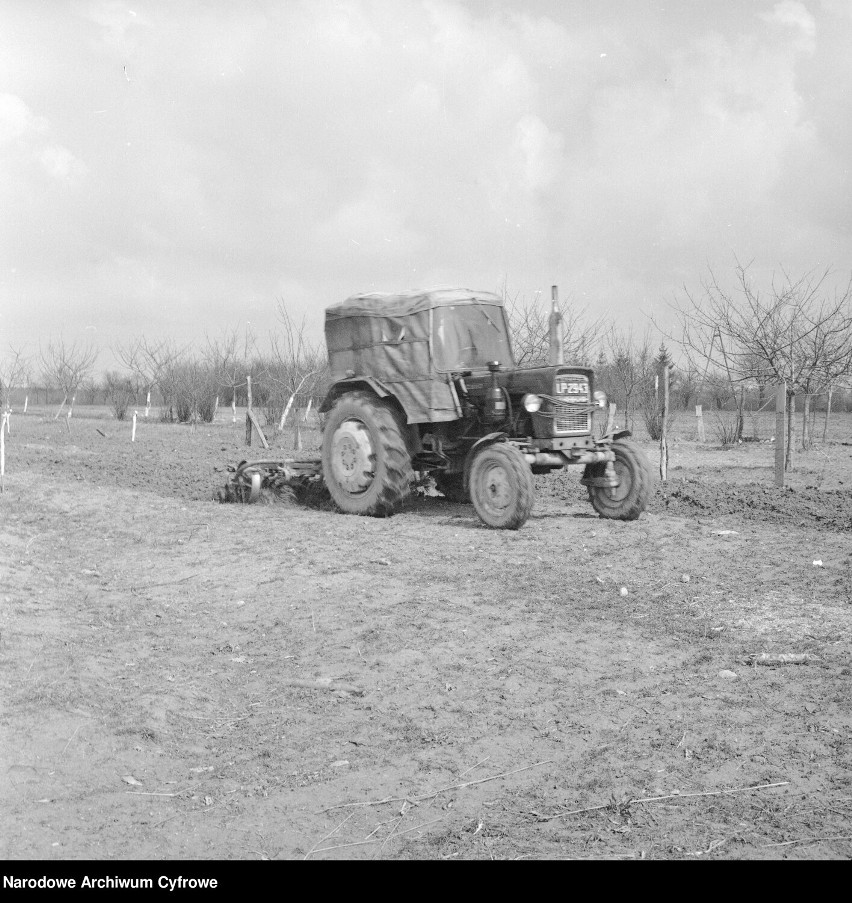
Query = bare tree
x=148 y=360
x=296 y=367
x=685 y=385
x=229 y=359
x=66 y=366
x=795 y=332
x=119 y=391
x=630 y=368
x=529 y=324
x=14 y=370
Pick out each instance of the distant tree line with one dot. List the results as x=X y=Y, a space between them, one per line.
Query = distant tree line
x=728 y=351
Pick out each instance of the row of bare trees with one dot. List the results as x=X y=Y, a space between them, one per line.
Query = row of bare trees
x=798 y=331
x=733 y=344
x=730 y=346
x=187 y=384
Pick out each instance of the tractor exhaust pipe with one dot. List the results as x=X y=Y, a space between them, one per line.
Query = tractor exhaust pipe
x=557 y=349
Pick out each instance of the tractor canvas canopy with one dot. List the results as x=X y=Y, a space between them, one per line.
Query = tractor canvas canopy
x=411 y=342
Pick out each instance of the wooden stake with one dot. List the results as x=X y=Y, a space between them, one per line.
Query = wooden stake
x=251 y=421
x=3 y=454
x=147 y=403
x=664 y=441
x=133 y=431
x=234 y=407
x=699 y=417
x=824 y=426
x=248 y=409
x=26 y=402
x=780 y=432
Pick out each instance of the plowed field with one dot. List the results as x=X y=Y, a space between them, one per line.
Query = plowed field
x=183 y=679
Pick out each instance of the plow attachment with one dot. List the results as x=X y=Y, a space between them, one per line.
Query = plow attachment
x=272 y=479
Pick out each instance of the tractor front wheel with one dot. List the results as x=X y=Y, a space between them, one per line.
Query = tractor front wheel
x=365 y=460
x=630 y=498
x=501 y=486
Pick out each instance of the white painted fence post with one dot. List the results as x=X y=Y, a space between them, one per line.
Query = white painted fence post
x=133 y=431
x=699 y=416
x=147 y=403
x=26 y=402
x=780 y=433
x=3 y=454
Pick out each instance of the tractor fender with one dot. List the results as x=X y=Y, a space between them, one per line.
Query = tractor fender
x=347 y=385
x=490 y=439
x=615 y=435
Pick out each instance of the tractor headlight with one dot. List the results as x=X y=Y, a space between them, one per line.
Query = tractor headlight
x=600 y=399
x=531 y=403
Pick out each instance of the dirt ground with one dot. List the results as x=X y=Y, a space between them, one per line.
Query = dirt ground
x=159 y=654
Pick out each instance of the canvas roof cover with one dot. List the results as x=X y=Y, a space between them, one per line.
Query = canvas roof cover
x=387 y=337
x=400 y=304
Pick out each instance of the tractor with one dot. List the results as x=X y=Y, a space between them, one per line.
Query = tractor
x=425 y=382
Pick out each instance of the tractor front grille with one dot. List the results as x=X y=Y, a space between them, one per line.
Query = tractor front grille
x=567 y=419
x=574 y=417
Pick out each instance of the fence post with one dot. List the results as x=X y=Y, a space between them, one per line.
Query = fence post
x=780 y=432
x=3 y=454
x=248 y=411
x=133 y=431
x=699 y=416
x=664 y=417
x=251 y=419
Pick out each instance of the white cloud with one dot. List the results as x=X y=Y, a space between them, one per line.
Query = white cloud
x=17 y=120
x=792 y=14
x=60 y=163
x=330 y=147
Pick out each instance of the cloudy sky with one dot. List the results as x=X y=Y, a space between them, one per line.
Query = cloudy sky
x=175 y=168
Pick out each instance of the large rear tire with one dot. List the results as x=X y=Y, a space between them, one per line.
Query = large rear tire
x=365 y=460
x=501 y=486
x=630 y=498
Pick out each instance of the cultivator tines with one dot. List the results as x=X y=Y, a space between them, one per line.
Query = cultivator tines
x=253 y=481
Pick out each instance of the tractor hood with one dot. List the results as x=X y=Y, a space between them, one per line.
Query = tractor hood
x=535 y=380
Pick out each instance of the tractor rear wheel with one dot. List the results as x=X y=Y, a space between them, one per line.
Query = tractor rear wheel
x=630 y=498
x=501 y=486
x=365 y=460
